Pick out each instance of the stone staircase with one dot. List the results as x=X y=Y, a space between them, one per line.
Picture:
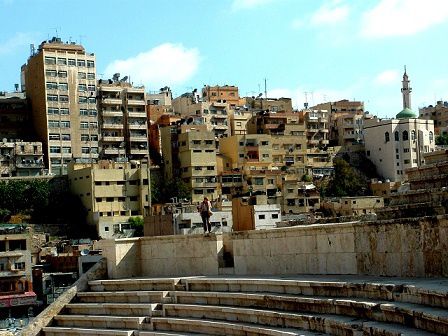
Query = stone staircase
x=256 y=306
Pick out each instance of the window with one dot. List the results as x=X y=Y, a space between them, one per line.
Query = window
x=65 y=124
x=64 y=111
x=81 y=63
x=50 y=60
x=413 y=135
x=66 y=137
x=368 y=153
x=261 y=216
x=265 y=143
x=431 y=137
x=82 y=99
x=82 y=75
x=386 y=137
x=274 y=216
x=196 y=142
x=54 y=136
x=63 y=98
x=63 y=86
x=397 y=136
x=210 y=168
x=62 y=61
x=405 y=135
x=85 y=137
x=407 y=161
x=52 y=98
x=92 y=100
x=55 y=149
x=91 y=87
x=85 y=150
x=53 y=124
x=90 y=64
x=397 y=157
x=66 y=150
x=19 y=265
x=258 y=180
x=83 y=112
x=50 y=73
x=62 y=74
x=84 y=124
x=90 y=75
x=93 y=124
x=71 y=62
x=198 y=168
x=53 y=111
x=82 y=87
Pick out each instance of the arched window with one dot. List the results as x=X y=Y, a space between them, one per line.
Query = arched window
x=397 y=136
x=386 y=137
x=431 y=137
x=405 y=135
x=413 y=135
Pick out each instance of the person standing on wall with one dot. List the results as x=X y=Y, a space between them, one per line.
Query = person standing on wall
x=205 y=209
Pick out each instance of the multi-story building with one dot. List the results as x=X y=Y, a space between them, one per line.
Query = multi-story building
x=395 y=145
x=60 y=82
x=111 y=192
x=316 y=122
x=159 y=103
x=438 y=113
x=123 y=120
x=221 y=94
x=346 y=121
x=16 y=289
x=238 y=120
x=15 y=117
x=299 y=196
x=18 y=158
x=268 y=104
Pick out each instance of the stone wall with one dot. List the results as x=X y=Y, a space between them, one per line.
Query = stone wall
x=413 y=247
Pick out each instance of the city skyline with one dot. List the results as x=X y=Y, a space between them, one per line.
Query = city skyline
x=324 y=51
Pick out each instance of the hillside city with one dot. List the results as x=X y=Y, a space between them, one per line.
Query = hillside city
x=84 y=159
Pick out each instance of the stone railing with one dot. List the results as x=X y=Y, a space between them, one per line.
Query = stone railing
x=411 y=247
x=98 y=271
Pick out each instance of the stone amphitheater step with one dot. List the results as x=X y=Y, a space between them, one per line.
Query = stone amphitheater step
x=208 y=327
x=124 y=296
x=325 y=323
x=99 y=321
x=153 y=284
x=61 y=331
x=419 y=316
x=115 y=309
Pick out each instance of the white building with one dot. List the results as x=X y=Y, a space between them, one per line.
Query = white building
x=395 y=145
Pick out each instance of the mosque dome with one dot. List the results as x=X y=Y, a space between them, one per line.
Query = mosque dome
x=406 y=113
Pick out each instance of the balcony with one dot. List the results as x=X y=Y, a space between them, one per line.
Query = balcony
x=136 y=102
x=110 y=113
x=111 y=101
x=219 y=116
x=141 y=114
x=138 y=138
x=136 y=151
x=112 y=126
x=30 y=165
x=113 y=139
x=137 y=126
x=113 y=151
x=313 y=141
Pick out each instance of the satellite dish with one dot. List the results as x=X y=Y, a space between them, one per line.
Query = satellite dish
x=85 y=252
x=124 y=79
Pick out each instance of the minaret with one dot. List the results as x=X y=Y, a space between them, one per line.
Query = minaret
x=406 y=91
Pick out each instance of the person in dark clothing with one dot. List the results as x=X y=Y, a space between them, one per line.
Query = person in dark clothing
x=205 y=209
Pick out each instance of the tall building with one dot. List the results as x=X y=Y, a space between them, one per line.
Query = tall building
x=438 y=113
x=15 y=117
x=395 y=145
x=60 y=82
x=221 y=94
x=123 y=120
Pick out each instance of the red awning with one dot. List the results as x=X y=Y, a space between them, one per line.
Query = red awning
x=13 y=300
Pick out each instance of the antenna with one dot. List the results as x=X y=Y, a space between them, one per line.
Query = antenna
x=32 y=50
x=265 y=89
x=306 y=100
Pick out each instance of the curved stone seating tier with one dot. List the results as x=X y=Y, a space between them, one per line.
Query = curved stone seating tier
x=307 y=305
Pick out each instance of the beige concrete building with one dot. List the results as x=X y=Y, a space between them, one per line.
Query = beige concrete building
x=316 y=122
x=15 y=117
x=123 y=120
x=221 y=94
x=111 y=192
x=268 y=104
x=299 y=197
x=238 y=120
x=60 y=82
x=395 y=145
x=354 y=206
x=159 y=103
x=438 y=113
x=19 y=158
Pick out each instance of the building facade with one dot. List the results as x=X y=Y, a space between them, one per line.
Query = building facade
x=15 y=117
x=18 y=158
x=60 y=82
x=438 y=113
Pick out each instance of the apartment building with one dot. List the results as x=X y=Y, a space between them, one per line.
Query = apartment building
x=316 y=122
x=123 y=120
x=395 y=145
x=111 y=192
x=268 y=104
x=19 y=158
x=438 y=113
x=354 y=206
x=288 y=138
x=15 y=117
x=238 y=120
x=16 y=288
x=60 y=82
x=221 y=94
x=159 y=103
x=299 y=197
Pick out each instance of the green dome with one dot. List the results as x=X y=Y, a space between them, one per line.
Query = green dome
x=406 y=113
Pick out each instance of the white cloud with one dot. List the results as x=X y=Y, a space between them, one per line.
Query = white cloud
x=403 y=17
x=166 y=64
x=330 y=13
x=247 y=4
x=387 y=77
x=17 y=41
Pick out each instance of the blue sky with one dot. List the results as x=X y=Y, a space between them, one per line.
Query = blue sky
x=332 y=49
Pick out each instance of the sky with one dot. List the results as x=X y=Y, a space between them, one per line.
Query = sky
x=308 y=50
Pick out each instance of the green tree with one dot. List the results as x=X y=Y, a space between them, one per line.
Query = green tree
x=137 y=224
x=346 y=181
x=175 y=188
x=442 y=140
